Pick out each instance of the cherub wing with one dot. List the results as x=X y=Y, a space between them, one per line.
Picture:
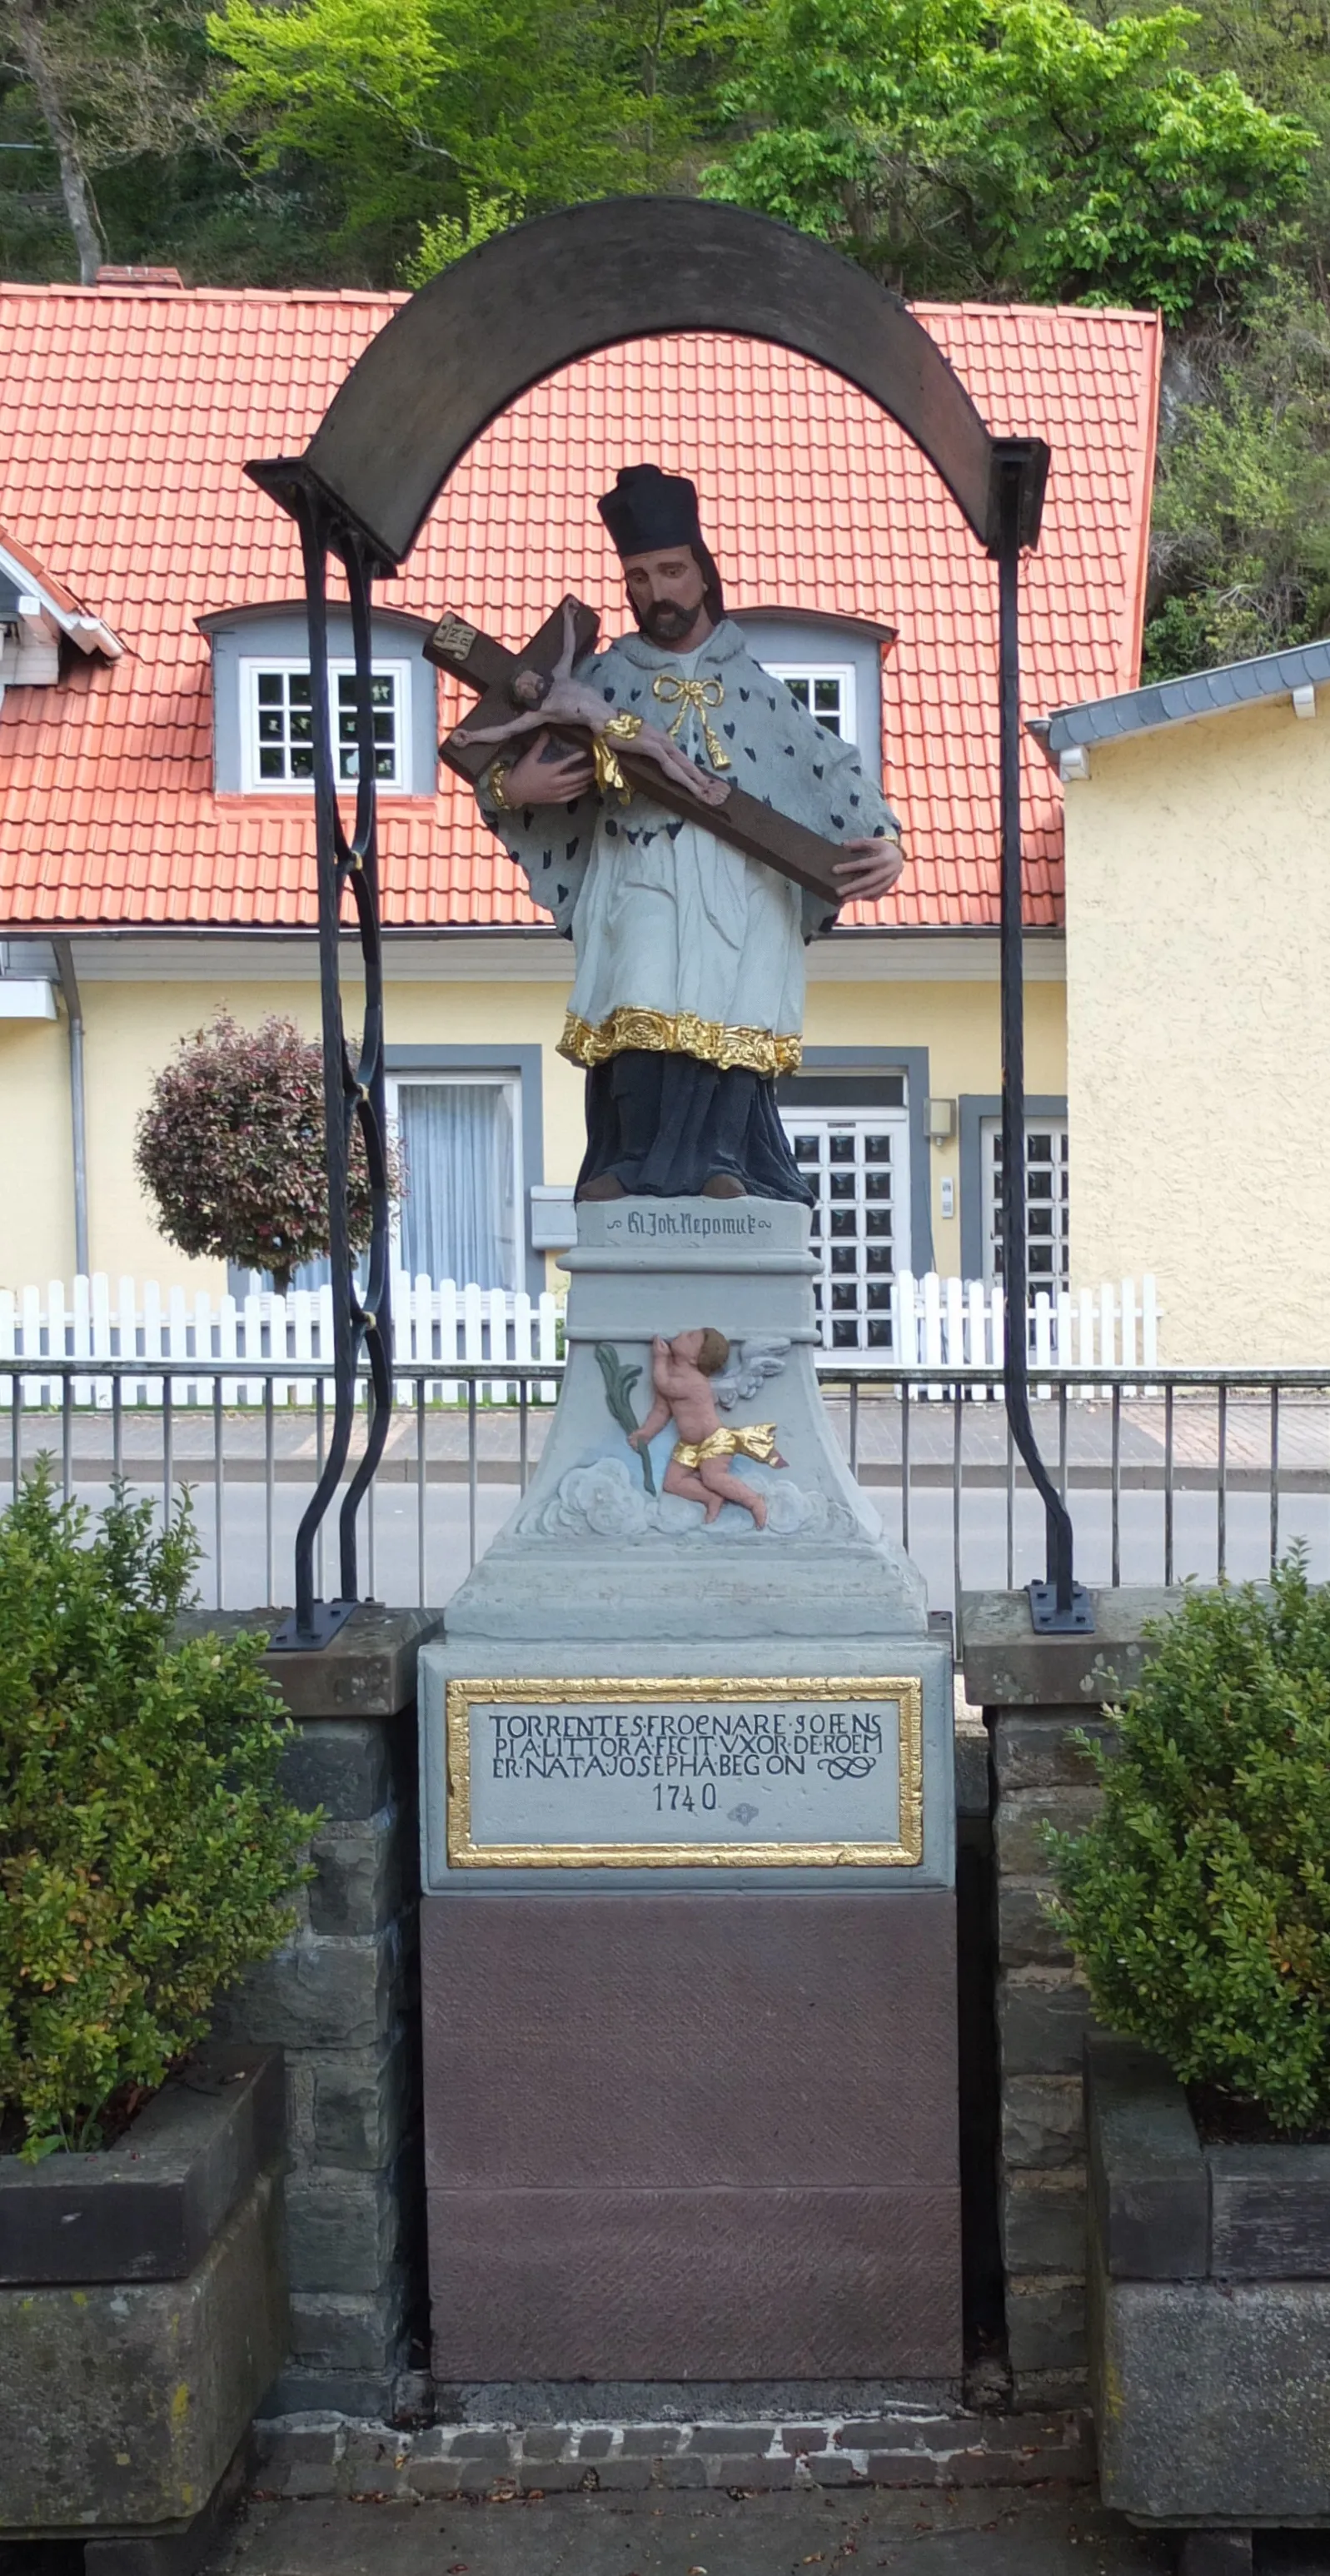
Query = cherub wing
x=749 y=1366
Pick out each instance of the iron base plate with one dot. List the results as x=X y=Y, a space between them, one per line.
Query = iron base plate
x=1048 y=1621
x=328 y=1617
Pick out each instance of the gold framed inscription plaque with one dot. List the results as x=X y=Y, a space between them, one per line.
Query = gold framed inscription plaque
x=719 y=1773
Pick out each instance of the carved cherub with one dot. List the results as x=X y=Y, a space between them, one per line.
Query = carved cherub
x=684 y=1374
x=561 y=699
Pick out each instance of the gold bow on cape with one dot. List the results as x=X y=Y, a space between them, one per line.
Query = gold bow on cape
x=673 y=690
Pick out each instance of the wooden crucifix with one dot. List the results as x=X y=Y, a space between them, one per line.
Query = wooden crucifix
x=759 y=830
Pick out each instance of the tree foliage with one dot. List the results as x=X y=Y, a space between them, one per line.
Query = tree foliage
x=147 y=1855
x=1046 y=149
x=1198 y=1903
x=231 y=1149
x=1004 y=146
x=415 y=112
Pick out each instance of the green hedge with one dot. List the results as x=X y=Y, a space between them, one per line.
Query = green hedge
x=146 y=1854
x=1198 y=1902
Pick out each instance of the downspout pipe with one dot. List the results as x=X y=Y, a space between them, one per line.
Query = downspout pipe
x=64 y=958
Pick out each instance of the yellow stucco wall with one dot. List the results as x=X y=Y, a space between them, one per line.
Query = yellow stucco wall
x=1198 y=929
x=132 y=1026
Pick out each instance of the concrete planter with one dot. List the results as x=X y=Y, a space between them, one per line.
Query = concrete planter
x=1209 y=2317
x=143 y=2314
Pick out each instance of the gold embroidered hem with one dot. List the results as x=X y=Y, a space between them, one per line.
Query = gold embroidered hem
x=679 y=1033
x=754 y=1440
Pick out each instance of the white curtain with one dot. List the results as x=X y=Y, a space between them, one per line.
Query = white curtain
x=459 y=1208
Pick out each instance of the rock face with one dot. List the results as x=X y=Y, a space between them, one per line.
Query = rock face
x=1209 y=2309
x=122 y=2402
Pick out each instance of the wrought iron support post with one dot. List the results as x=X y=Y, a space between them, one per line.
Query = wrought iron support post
x=353 y=1083
x=1059 y=1604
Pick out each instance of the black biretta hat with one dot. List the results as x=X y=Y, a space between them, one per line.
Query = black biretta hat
x=648 y=510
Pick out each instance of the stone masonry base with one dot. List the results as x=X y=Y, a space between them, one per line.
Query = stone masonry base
x=331 y=2455
x=341 y=1997
x=1041 y=1778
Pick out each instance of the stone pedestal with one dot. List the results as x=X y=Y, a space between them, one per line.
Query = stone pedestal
x=1037 y=1693
x=688 y=1921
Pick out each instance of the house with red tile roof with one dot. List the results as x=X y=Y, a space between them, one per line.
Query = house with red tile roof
x=156 y=831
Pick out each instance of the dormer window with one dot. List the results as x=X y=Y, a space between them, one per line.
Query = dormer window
x=825 y=689
x=277 y=749
x=832 y=665
x=263 y=703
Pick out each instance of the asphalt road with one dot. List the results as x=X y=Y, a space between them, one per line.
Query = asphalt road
x=390 y=1566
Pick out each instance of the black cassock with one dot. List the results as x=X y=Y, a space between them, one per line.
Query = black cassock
x=664 y=1125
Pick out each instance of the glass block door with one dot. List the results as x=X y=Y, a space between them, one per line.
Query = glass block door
x=858 y=1163
x=1046 y=1204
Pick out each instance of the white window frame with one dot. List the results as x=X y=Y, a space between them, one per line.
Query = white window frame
x=825 y=1121
x=844 y=672
x=990 y=1135
x=474 y=1079
x=295 y=666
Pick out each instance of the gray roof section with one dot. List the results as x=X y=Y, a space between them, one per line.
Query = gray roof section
x=1202 y=693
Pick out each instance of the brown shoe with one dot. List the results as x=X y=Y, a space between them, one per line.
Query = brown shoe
x=604 y=1186
x=723 y=1185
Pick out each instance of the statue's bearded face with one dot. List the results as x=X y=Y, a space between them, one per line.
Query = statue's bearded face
x=668 y=591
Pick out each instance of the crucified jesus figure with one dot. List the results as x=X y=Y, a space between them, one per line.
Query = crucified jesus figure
x=561 y=699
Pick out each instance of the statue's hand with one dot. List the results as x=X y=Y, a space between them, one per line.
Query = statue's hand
x=869 y=869
x=533 y=781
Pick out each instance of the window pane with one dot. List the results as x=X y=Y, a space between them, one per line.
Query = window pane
x=459 y=1212
x=271 y=765
x=805 y=1149
x=299 y=690
x=270 y=688
x=798 y=690
x=841 y=1149
x=302 y=763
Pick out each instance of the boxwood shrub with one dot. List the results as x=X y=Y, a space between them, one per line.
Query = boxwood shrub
x=146 y=1852
x=1198 y=1902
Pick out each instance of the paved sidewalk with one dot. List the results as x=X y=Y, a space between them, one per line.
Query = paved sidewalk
x=912 y=2532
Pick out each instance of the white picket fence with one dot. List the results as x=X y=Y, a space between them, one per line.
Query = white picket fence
x=431 y=1321
x=964 y=1323
x=935 y=1323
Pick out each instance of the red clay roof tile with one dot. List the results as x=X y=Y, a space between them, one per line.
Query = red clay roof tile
x=127 y=415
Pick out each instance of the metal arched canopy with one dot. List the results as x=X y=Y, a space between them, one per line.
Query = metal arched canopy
x=531 y=301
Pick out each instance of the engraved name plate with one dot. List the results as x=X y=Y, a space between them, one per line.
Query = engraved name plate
x=642 y=1774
